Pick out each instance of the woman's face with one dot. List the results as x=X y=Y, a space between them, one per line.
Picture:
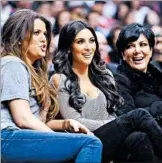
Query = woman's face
x=138 y=53
x=37 y=47
x=83 y=47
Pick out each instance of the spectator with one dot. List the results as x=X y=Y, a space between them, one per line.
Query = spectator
x=103 y=47
x=28 y=102
x=157 y=54
x=139 y=82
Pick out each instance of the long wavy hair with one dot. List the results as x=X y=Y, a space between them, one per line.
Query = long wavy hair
x=98 y=73
x=19 y=26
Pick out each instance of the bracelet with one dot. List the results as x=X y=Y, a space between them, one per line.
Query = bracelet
x=64 y=125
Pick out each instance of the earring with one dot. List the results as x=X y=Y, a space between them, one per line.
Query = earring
x=19 y=43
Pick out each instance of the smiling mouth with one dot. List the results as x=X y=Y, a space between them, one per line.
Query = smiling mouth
x=87 y=55
x=138 y=60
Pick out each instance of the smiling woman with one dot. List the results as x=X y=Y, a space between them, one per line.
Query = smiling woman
x=83 y=48
x=138 y=53
x=139 y=81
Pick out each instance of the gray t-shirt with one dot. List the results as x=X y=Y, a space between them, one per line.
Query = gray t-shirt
x=15 y=84
x=94 y=113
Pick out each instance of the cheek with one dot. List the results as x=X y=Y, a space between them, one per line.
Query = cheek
x=76 y=50
x=150 y=54
x=127 y=55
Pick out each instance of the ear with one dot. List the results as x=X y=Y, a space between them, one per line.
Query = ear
x=123 y=56
x=151 y=52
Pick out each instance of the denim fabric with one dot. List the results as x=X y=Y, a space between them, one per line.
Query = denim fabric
x=113 y=134
x=34 y=146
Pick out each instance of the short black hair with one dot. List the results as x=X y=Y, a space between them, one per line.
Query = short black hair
x=131 y=33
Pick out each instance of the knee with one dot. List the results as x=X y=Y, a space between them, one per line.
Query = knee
x=142 y=112
x=96 y=141
x=135 y=137
x=137 y=140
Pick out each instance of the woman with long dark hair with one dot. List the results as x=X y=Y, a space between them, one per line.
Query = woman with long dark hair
x=87 y=93
x=28 y=103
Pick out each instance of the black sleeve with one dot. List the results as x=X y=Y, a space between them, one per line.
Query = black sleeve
x=124 y=89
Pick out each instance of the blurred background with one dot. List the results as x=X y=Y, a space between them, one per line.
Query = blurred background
x=106 y=17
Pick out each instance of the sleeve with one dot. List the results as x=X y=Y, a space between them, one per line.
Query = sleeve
x=124 y=89
x=68 y=112
x=14 y=82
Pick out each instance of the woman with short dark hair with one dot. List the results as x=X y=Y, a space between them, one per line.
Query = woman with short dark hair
x=138 y=80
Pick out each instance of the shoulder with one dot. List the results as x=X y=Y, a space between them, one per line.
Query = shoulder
x=14 y=66
x=13 y=63
x=56 y=80
x=122 y=79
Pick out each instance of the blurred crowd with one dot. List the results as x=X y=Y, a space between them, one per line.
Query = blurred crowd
x=106 y=17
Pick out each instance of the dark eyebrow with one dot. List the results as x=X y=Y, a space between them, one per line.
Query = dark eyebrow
x=144 y=41
x=139 y=42
x=79 y=39
x=82 y=39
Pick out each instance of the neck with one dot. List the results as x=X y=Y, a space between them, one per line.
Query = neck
x=81 y=71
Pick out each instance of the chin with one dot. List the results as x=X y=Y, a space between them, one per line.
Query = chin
x=42 y=55
x=140 y=68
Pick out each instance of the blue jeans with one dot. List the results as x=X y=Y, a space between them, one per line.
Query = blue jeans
x=34 y=146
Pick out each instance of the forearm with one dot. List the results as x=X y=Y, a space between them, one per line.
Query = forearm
x=34 y=123
x=56 y=124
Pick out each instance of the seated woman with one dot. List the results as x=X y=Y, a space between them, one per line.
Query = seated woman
x=28 y=104
x=139 y=81
x=87 y=93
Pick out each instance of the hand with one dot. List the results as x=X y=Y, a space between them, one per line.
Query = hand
x=74 y=126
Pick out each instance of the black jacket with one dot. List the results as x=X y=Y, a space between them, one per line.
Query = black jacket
x=139 y=89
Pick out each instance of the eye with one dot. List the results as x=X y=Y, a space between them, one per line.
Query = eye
x=129 y=46
x=92 y=40
x=80 y=41
x=36 y=32
x=143 y=44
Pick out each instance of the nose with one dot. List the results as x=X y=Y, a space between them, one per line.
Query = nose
x=87 y=46
x=137 y=49
x=43 y=38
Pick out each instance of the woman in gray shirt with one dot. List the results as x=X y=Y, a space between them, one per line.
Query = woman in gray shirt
x=88 y=94
x=28 y=102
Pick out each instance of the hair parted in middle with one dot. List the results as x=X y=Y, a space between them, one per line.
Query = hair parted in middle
x=98 y=74
x=18 y=27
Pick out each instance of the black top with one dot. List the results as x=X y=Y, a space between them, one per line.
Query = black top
x=139 y=89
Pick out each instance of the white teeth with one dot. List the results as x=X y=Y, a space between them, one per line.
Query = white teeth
x=138 y=59
x=87 y=55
